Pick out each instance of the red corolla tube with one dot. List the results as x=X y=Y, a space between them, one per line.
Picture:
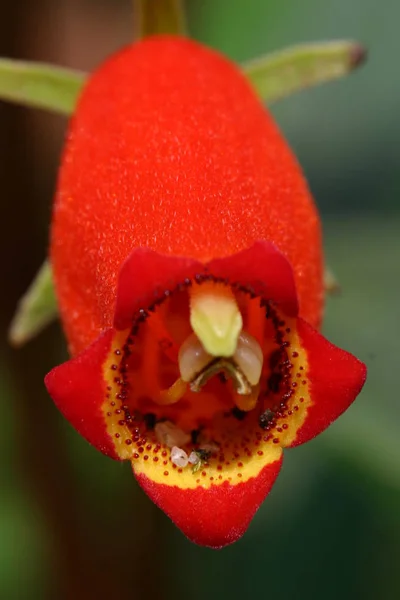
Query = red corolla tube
x=187 y=261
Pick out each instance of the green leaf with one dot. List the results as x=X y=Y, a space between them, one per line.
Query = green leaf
x=283 y=73
x=36 y=309
x=40 y=85
x=159 y=17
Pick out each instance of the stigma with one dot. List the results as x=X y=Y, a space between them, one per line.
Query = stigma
x=215 y=318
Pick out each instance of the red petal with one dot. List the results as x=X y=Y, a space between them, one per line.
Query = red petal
x=79 y=390
x=263 y=268
x=335 y=379
x=213 y=515
x=144 y=277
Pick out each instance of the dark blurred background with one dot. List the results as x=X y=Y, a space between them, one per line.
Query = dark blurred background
x=73 y=524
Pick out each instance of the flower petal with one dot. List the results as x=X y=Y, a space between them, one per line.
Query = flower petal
x=263 y=268
x=81 y=389
x=144 y=278
x=332 y=380
x=208 y=513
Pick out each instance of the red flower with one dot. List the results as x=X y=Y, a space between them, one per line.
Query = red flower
x=186 y=252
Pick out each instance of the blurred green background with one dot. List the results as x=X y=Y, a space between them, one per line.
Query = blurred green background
x=73 y=524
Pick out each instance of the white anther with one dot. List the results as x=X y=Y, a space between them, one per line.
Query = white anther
x=169 y=434
x=192 y=358
x=179 y=457
x=249 y=357
x=194 y=458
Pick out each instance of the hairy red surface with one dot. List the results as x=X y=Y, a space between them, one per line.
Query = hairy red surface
x=170 y=149
x=215 y=516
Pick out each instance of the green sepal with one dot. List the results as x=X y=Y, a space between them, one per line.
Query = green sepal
x=36 y=309
x=278 y=75
x=274 y=76
x=39 y=85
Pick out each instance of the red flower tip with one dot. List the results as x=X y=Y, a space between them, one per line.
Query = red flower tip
x=184 y=246
x=210 y=514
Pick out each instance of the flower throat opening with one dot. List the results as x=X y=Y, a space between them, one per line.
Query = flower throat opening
x=203 y=375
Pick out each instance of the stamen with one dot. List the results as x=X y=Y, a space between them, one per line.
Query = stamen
x=226 y=366
x=179 y=457
x=198 y=457
x=197 y=367
x=173 y=394
x=249 y=357
x=215 y=318
x=247 y=402
x=192 y=358
x=194 y=458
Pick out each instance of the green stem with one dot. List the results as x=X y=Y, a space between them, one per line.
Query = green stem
x=154 y=17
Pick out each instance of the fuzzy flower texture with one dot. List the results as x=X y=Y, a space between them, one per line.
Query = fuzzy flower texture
x=186 y=252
